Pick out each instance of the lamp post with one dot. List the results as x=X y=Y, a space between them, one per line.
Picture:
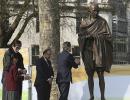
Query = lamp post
x=30 y=83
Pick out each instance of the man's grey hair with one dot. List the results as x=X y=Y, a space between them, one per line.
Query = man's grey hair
x=46 y=50
x=66 y=45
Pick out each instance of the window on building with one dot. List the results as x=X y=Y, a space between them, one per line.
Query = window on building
x=76 y=51
x=122 y=27
x=83 y=1
x=104 y=1
x=35 y=53
x=77 y=24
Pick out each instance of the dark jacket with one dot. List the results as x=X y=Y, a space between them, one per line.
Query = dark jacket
x=7 y=59
x=65 y=63
x=44 y=71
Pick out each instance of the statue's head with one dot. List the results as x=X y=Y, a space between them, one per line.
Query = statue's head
x=94 y=9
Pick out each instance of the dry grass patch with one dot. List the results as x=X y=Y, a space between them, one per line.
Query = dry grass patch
x=79 y=74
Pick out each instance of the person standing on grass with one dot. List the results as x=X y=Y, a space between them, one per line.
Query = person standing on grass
x=44 y=76
x=64 y=76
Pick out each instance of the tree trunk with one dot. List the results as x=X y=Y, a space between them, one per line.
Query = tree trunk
x=7 y=31
x=50 y=33
x=4 y=22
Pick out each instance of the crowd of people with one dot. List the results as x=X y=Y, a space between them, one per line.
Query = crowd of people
x=96 y=51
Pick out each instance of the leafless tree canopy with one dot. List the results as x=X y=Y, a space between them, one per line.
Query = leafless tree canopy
x=20 y=10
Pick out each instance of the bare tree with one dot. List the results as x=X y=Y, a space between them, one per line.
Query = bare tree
x=50 y=32
x=6 y=9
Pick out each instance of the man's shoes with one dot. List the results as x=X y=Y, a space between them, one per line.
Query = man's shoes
x=91 y=98
x=103 y=99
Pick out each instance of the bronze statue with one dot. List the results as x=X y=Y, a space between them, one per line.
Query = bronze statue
x=96 y=48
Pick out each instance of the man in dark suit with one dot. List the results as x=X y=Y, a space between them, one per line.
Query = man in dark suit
x=44 y=76
x=65 y=62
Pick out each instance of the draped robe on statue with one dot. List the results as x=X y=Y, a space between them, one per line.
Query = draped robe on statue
x=95 y=44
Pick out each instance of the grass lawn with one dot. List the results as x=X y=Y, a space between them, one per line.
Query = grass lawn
x=79 y=74
x=112 y=98
x=24 y=95
x=0 y=94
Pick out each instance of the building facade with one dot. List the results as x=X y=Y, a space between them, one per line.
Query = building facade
x=119 y=32
x=128 y=20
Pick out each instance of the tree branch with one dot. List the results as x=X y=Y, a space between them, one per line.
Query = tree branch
x=68 y=17
x=12 y=28
x=19 y=16
x=25 y=24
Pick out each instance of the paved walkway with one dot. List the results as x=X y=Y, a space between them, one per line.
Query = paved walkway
x=117 y=88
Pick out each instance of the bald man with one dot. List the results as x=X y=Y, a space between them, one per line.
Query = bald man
x=96 y=48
